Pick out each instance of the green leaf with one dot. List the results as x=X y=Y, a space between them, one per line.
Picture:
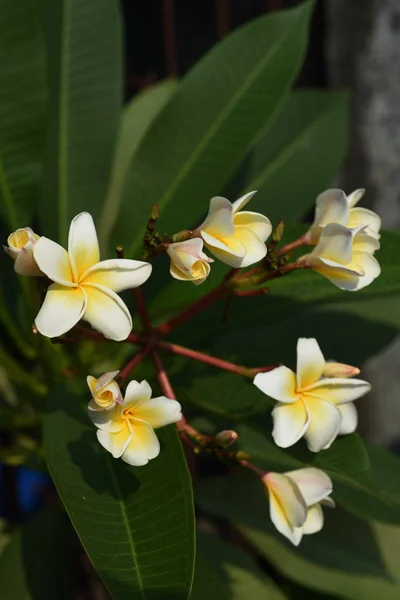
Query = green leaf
x=346 y=543
x=194 y=146
x=227 y=573
x=136 y=119
x=36 y=564
x=22 y=106
x=84 y=47
x=298 y=156
x=136 y=524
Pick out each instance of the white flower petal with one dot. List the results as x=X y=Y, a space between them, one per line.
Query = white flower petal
x=107 y=313
x=259 y=224
x=118 y=274
x=339 y=390
x=363 y=217
x=143 y=445
x=219 y=221
x=310 y=362
x=255 y=248
x=335 y=244
x=365 y=243
x=287 y=508
x=343 y=277
x=290 y=423
x=115 y=443
x=25 y=263
x=314 y=484
x=61 y=310
x=136 y=393
x=324 y=426
x=83 y=247
x=314 y=521
x=349 y=418
x=279 y=384
x=107 y=420
x=229 y=251
x=242 y=201
x=355 y=197
x=369 y=265
x=105 y=379
x=52 y=259
x=331 y=207
x=158 y=412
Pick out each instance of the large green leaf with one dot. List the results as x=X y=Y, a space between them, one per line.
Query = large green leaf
x=224 y=572
x=37 y=563
x=136 y=119
x=22 y=105
x=346 y=544
x=136 y=524
x=84 y=49
x=195 y=144
x=299 y=155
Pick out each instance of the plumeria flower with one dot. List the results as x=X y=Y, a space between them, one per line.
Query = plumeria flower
x=127 y=430
x=83 y=287
x=345 y=257
x=310 y=405
x=333 y=206
x=234 y=237
x=20 y=248
x=105 y=391
x=188 y=261
x=295 y=500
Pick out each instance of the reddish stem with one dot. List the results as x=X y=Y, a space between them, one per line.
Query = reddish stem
x=212 y=360
x=162 y=376
x=142 y=310
x=135 y=361
x=248 y=465
x=247 y=293
x=216 y=294
x=301 y=241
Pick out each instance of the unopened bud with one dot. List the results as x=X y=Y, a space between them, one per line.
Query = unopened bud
x=278 y=232
x=155 y=211
x=182 y=236
x=334 y=369
x=119 y=251
x=226 y=438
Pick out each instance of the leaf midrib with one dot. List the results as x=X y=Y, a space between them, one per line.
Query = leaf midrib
x=126 y=522
x=217 y=123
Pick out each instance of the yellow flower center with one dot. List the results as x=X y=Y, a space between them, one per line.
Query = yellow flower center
x=19 y=239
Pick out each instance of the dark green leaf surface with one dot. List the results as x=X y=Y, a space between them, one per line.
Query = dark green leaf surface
x=136 y=524
x=22 y=106
x=298 y=156
x=84 y=47
x=36 y=563
x=224 y=572
x=194 y=146
x=136 y=119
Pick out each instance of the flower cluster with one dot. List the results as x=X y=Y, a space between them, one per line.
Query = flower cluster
x=315 y=402
x=346 y=239
x=125 y=426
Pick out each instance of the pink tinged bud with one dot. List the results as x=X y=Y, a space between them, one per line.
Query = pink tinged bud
x=20 y=248
x=226 y=438
x=334 y=369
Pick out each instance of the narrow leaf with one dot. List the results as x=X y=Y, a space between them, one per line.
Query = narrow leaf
x=85 y=62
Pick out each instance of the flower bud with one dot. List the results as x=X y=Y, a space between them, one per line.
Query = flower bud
x=188 y=261
x=226 y=438
x=334 y=369
x=105 y=391
x=20 y=248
